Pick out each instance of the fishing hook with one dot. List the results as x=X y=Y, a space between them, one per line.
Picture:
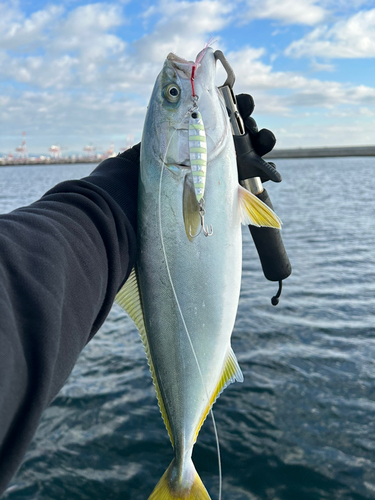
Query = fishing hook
x=206 y=231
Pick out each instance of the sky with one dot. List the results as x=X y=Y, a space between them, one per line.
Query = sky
x=76 y=72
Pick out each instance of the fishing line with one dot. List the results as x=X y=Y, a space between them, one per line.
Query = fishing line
x=180 y=311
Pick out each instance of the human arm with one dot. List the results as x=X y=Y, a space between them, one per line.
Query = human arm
x=62 y=261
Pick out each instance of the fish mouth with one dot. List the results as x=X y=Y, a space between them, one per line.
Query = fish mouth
x=174 y=58
x=180 y=65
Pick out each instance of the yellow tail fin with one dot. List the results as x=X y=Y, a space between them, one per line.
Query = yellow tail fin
x=177 y=485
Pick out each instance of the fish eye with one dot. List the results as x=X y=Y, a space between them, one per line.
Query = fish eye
x=172 y=92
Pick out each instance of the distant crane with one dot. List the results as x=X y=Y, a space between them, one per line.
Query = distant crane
x=90 y=150
x=55 y=151
x=22 y=149
x=110 y=152
x=129 y=142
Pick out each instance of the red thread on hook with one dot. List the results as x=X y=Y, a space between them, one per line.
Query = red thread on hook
x=192 y=79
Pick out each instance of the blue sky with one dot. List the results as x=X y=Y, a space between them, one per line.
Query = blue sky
x=78 y=72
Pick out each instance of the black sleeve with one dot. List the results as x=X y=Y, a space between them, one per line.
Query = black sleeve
x=62 y=261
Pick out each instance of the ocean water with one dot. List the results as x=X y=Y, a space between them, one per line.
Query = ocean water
x=300 y=427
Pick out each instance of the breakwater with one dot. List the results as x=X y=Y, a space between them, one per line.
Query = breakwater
x=327 y=152
x=6 y=162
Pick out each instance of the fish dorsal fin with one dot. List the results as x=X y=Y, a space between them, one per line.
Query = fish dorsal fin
x=253 y=211
x=129 y=299
x=230 y=373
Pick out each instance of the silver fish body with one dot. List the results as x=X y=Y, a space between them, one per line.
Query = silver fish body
x=188 y=287
x=205 y=273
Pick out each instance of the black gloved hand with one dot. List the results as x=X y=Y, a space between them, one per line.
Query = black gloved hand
x=119 y=177
x=262 y=142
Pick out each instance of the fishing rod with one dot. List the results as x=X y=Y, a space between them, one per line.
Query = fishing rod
x=251 y=168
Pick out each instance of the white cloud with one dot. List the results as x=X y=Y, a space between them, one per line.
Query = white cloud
x=287 y=11
x=289 y=89
x=38 y=71
x=366 y=111
x=252 y=73
x=296 y=133
x=81 y=50
x=93 y=117
x=343 y=6
x=350 y=38
x=16 y=31
x=317 y=66
x=331 y=94
x=81 y=74
x=73 y=49
x=86 y=83
x=184 y=28
x=85 y=31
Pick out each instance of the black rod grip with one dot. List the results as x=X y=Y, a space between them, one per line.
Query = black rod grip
x=272 y=254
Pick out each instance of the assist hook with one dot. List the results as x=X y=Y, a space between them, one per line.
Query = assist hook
x=206 y=231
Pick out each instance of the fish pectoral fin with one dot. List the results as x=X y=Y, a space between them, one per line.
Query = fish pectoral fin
x=253 y=211
x=180 y=485
x=129 y=298
x=230 y=373
x=190 y=207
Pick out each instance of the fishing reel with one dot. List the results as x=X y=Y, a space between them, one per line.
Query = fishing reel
x=252 y=170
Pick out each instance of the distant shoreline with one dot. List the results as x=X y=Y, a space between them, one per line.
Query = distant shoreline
x=19 y=162
x=328 y=152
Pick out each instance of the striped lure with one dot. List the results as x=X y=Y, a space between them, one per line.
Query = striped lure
x=198 y=153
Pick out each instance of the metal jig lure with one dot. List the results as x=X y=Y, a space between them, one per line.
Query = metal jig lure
x=198 y=157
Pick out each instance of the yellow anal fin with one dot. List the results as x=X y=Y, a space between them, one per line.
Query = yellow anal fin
x=231 y=373
x=129 y=299
x=176 y=486
x=253 y=211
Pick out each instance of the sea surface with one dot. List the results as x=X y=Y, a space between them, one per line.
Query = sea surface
x=300 y=427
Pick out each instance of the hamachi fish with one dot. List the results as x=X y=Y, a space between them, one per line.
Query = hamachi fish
x=183 y=293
